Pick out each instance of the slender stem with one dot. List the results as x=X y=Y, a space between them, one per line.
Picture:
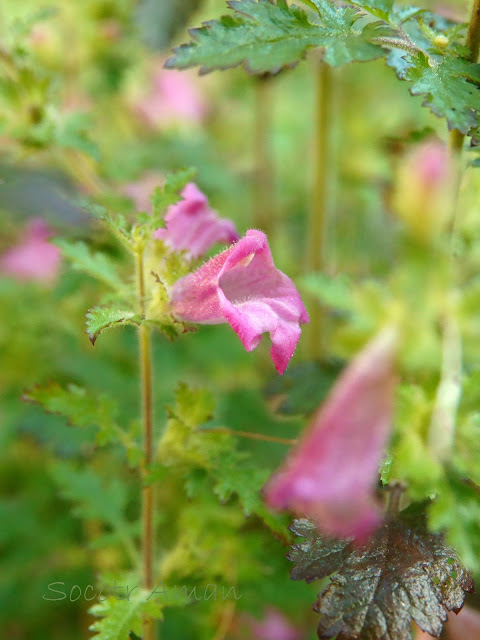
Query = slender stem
x=473 y=34
x=319 y=205
x=396 y=492
x=472 y=43
x=263 y=177
x=442 y=426
x=252 y=435
x=147 y=420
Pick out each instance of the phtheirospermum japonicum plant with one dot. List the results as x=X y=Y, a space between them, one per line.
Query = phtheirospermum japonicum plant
x=385 y=481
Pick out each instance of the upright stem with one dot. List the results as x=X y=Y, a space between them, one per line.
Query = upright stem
x=319 y=205
x=147 y=420
x=263 y=178
x=472 y=43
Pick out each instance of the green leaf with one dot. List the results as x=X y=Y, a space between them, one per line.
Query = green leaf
x=80 y=407
x=93 y=498
x=402 y=573
x=120 y=617
x=264 y=37
x=97 y=264
x=169 y=194
x=101 y=318
x=379 y=8
x=450 y=86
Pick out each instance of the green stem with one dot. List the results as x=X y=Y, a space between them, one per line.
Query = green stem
x=472 y=43
x=252 y=435
x=263 y=177
x=442 y=426
x=319 y=205
x=147 y=421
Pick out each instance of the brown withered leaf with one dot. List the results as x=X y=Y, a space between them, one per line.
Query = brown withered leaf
x=402 y=573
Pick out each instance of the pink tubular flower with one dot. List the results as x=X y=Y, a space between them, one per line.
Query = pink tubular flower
x=274 y=626
x=331 y=474
x=173 y=97
x=193 y=226
x=243 y=287
x=34 y=258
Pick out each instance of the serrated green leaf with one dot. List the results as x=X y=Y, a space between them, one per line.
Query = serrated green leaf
x=264 y=37
x=80 y=407
x=97 y=264
x=120 y=617
x=378 y=8
x=450 y=86
x=101 y=318
x=93 y=498
x=169 y=194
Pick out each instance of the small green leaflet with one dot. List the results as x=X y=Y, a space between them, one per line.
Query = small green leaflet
x=265 y=37
x=169 y=194
x=120 y=617
x=97 y=264
x=450 y=86
x=101 y=318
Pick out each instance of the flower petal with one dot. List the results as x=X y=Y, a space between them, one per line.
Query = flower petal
x=193 y=227
x=330 y=476
x=243 y=287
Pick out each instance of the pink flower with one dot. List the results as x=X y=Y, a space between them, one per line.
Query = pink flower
x=331 y=475
x=34 y=258
x=173 y=97
x=462 y=626
x=142 y=189
x=274 y=626
x=243 y=287
x=193 y=226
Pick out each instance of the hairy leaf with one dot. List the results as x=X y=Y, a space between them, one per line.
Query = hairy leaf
x=120 y=617
x=403 y=573
x=264 y=37
x=101 y=318
x=449 y=84
x=169 y=194
x=97 y=265
x=80 y=407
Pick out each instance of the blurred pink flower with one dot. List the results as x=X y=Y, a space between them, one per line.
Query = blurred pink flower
x=34 y=258
x=331 y=475
x=142 y=189
x=173 y=97
x=243 y=287
x=431 y=163
x=462 y=626
x=193 y=226
x=274 y=626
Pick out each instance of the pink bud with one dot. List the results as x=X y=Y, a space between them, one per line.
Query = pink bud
x=330 y=477
x=34 y=258
x=243 y=287
x=192 y=226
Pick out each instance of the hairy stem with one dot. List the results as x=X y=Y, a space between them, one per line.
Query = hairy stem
x=263 y=177
x=148 y=508
x=319 y=205
x=442 y=426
